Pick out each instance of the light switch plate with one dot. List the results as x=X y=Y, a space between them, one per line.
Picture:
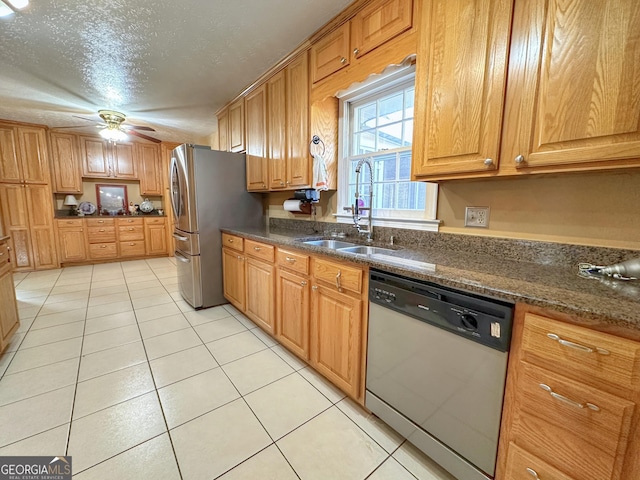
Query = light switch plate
x=476 y=217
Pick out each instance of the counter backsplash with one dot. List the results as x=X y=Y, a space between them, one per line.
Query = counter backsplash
x=545 y=253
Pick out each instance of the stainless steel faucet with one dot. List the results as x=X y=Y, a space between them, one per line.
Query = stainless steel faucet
x=356 y=209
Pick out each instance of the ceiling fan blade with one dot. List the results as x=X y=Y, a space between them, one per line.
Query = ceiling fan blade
x=142 y=135
x=139 y=127
x=87 y=119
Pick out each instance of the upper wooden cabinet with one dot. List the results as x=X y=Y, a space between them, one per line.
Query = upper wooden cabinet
x=460 y=78
x=298 y=164
x=330 y=53
x=277 y=138
x=236 y=126
x=149 y=169
x=100 y=159
x=223 y=131
x=573 y=96
x=67 y=172
x=23 y=155
x=378 y=23
x=257 y=163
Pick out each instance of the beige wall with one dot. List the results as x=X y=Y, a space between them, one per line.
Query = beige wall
x=590 y=209
x=89 y=193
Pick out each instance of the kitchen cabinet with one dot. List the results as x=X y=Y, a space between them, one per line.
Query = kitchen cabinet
x=293 y=310
x=298 y=162
x=71 y=240
x=15 y=216
x=150 y=169
x=571 y=100
x=460 y=79
x=9 y=319
x=67 y=171
x=130 y=233
x=236 y=126
x=24 y=154
x=233 y=273
x=101 y=238
x=124 y=163
x=571 y=401
x=256 y=129
x=260 y=293
x=101 y=159
x=379 y=22
x=277 y=138
x=223 y=130
x=330 y=53
x=155 y=236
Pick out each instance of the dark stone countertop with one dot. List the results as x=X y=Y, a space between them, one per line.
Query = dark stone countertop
x=66 y=215
x=601 y=302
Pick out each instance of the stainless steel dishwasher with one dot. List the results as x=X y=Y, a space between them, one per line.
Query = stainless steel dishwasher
x=436 y=368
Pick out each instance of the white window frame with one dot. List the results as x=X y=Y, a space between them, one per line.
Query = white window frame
x=377 y=86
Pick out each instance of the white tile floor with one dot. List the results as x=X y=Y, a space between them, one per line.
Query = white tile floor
x=111 y=366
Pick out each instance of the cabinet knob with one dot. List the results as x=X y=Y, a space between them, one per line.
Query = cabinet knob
x=131 y=229
x=2 y=254
x=257 y=249
x=303 y=283
x=356 y=51
x=488 y=162
x=100 y=221
x=132 y=244
x=281 y=184
x=240 y=258
x=103 y=246
x=101 y=230
x=519 y=159
x=230 y=240
x=343 y=60
x=287 y=182
x=314 y=288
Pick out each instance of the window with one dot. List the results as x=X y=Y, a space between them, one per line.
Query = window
x=378 y=125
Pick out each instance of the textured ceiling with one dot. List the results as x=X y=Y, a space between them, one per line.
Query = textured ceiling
x=166 y=64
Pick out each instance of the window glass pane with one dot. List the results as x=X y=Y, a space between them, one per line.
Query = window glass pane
x=364 y=143
x=408 y=102
x=391 y=109
x=408 y=133
x=365 y=117
x=404 y=196
x=390 y=137
x=404 y=172
x=386 y=170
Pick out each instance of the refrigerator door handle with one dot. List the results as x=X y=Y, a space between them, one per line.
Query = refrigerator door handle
x=175 y=194
x=180 y=237
x=181 y=258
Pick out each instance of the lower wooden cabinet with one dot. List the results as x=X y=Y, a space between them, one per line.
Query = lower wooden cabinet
x=9 y=319
x=233 y=275
x=521 y=465
x=72 y=241
x=260 y=306
x=155 y=236
x=292 y=317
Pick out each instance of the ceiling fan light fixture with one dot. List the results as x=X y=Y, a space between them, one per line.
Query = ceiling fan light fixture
x=5 y=11
x=19 y=4
x=113 y=134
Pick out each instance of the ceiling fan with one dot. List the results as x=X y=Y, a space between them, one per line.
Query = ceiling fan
x=113 y=129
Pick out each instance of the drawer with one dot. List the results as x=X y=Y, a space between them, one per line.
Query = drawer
x=129 y=221
x=297 y=262
x=260 y=250
x=231 y=241
x=100 y=222
x=76 y=222
x=583 y=354
x=132 y=249
x=130 y=232
x=103 y=250
x=521 y=465
x=101 y=234
x=338 y=275
x=154 y=221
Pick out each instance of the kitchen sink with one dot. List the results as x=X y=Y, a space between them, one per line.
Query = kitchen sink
x=333 y=244
x=364 y=250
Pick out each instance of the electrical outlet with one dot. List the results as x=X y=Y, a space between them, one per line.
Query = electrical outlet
x=476 y=217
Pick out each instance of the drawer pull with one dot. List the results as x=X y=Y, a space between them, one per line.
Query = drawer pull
x=101 y=230
x=533 y=473
x=130 y=221
x=131 y=229
x=577 y=346
x=257 y=249
x=100 y=221
x=230 y=240
x=338 y=283
x=567 y=400
x=103 y=246
x=70 y=221
x=290 y=260
x=1 y=254
x=132 y=244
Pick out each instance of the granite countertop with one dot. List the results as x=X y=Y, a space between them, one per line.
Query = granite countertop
x=65 y=214
x=601 y=301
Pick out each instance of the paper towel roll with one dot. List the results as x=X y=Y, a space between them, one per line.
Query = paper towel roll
x=292 y=205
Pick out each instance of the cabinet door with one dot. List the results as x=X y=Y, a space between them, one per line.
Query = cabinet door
x=149 y=168
x=66 y=163
x=293 y=312
x=460 y=80
x=40 y=205
x=223 y=131
x=336 y=323
x=330 y=53
x=276 y=102
x=573 y=97
x=33 y=155
x=233 y=274
x=261 y=293
x=15 y=219
x=124 y=161
x=9 y=322
x=297 y=120
x=236 y=126
x=72 y=244
x=379 y=22
x=257 y=166
x=95 y=158
x=155 y=237
x=10 y=169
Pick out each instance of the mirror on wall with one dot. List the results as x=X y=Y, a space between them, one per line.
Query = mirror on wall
x=112 y=199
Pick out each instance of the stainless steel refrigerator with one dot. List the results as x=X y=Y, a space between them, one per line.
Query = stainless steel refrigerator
x=208 y=191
